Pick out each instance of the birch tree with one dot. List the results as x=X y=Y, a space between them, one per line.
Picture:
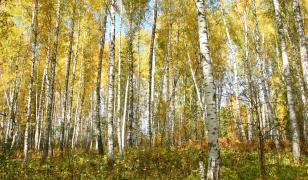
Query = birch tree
x=111 y=84
x=98 y=81
x=287 y=79
x=248 y=77
x=51 y=82
x=265 y=91
x=151 y=75
x=302 y=39
x=67 y=75
x=118 y=114
x=213 y=128
x=42 y=98
x=34 y=34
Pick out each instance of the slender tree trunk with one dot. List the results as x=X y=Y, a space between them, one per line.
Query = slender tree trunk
x=249 y=122
x=150 y=77
x=76 y=123
x=132 y=131
x=249 y=78
x=287 y=78
x=82 y=94
x=71 y=93
x=67 y=74
x=111 y=84
x=152 y=97
x=265 y=90
x=175 y=78
x=213 y=126
x=300 y=85
x=302 y=39
x=194 y=80
x=261 y=147
x=12 y=99
x=51 y=80
x=138 y=91
x=168 y=59
x=34 y=25
x=98 y=83
x=118 y=115
x=42 y=98
x=124 y=116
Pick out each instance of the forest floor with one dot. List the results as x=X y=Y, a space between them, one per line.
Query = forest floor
x=238 y=161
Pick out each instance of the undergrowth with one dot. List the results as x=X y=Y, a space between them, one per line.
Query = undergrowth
x=157 y=163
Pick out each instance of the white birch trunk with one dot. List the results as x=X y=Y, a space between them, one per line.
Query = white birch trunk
x=67 y=74
x=249 y=79
x=71 y=93
x=151 y=74
x=98 y=83
x=51 y=79
x=111 y=84
x=302 y=39
x=287 y=78
x=34 y=25
x=213 y=127
x=42 y=99
x=118 y=116
x=124 y=116
x=265 y=90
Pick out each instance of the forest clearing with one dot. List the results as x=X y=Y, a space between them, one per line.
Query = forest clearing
x=153 y=89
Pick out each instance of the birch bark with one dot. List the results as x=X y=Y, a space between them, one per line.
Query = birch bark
x=210 y=97
x=34 y=34
x=151 y=75
x=51 y=79
x=67 y=74
x=98 y=83
x=287 y=79
x=111 y=84
x=302 y=39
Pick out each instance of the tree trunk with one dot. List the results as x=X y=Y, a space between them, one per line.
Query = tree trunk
x=266 y=93
x=138 y=90
x=300 y=86
x=34 y=25
x=12 y=99
x=213 y=127
x=175 y=78
x=302 y=39
x=67 y=74
x=111 y=84
x=118 y=114
x=201 y=106
x=98 y=84
x=287 y=78
x=249 y=79
x=51 y=80
x=124 y=117
x=71 y=93
x=150 y=77
x=132 y=132
x=42 y=98
x=168 y=59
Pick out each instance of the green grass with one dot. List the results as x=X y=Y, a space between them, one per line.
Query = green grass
x=158 y=163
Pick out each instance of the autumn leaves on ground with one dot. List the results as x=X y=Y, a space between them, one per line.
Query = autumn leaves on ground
x=153 y=89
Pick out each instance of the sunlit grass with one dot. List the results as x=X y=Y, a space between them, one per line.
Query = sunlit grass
x=157 y=163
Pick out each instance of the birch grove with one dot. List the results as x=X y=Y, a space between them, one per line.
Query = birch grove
x=153 y=89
